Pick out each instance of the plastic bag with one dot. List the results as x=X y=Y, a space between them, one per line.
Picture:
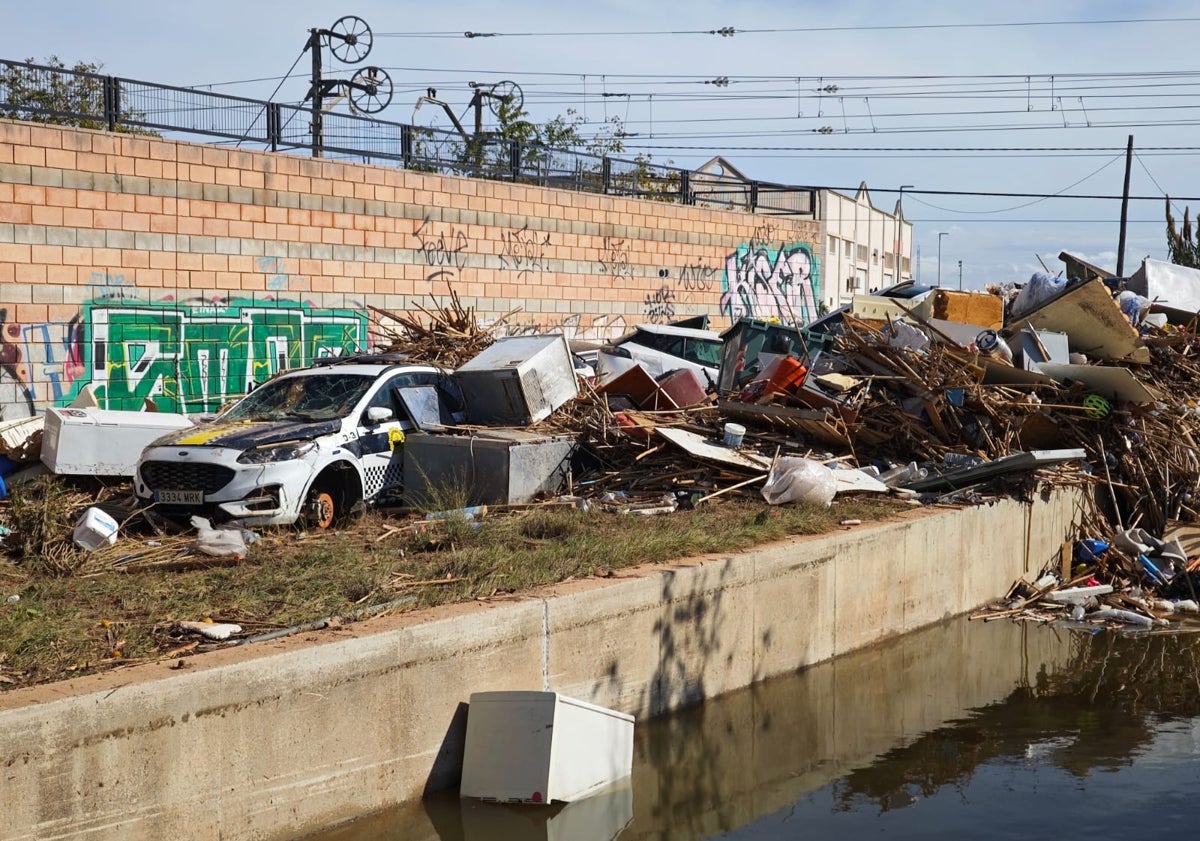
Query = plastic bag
x=794 y=479
x=1133 y=306
x=1040 y=289
x=221 y=541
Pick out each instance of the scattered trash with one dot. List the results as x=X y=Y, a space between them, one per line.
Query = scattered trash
x=95 y=528
x=223 y=540
x=212 y=630
x=800 y=480
x=472 y=512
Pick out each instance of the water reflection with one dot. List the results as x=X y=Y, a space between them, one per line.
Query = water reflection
x=890 y=737
x=1103 y=710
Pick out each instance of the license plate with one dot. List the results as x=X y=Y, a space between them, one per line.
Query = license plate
x=179 y=497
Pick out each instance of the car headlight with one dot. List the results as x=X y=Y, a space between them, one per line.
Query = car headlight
x=277 y=452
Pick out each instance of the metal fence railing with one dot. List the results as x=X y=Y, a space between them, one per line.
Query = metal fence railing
x=90 y=100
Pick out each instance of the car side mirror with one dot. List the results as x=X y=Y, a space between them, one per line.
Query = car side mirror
x=379 y=414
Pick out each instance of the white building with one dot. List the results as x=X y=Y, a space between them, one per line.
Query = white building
x=861 y=246
x=860 y=243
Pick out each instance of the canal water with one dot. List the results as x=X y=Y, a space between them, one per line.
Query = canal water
x=964 y=730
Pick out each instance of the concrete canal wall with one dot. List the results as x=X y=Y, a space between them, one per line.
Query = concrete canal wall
x=299 y=734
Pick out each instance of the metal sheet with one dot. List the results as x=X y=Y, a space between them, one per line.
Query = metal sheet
x=1015 y=463
x=1093 y=322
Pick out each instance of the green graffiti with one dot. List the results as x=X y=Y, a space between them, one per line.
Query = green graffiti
x=194 y=358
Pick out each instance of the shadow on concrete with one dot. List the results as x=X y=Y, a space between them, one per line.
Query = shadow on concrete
x=446 y=772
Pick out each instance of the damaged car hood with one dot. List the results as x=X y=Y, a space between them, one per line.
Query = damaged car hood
x=243 y=435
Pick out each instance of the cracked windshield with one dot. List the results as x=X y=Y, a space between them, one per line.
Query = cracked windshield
x=315 y=398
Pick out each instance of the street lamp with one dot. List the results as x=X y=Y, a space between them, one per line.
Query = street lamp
x=940 y=235
x=899 y=230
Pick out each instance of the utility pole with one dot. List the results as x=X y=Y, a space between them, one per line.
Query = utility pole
x=900 y=231
x=940 y=235
x=960 y=275
x=1124 y=210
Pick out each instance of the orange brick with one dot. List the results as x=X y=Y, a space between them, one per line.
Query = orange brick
x=163 y=259
x=51 y=255
x=119 y=201
x=31 y=313
x=60 y=159
x=135 y=222
x=90 y=199
x=228 y=177
x=214 y=157
x=216 y=228
x=14 y=252
x=104 y=257
x=134 y=147
x=241 y=229
x=26 y=194
x=201 y=174
x=72 y=217
x=228 y=280
x=61 y=313
x=21 y=214
x=215 y=262
x=30 y=156
x=131 y=259
x=148 y=204
x=109 y=220
x=164 y=224
x=63 y=275
x=229 y=211
x=30 y=273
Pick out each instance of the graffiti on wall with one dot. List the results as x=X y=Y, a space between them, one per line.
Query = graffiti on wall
x=614 y=258
x=771 y=282
x=524 y=251
x=443 y=249
x=278 y=277
x=659 y=305
x=185 y=357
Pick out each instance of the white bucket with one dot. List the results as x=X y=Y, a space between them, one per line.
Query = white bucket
x=734 y=433
x=95 y=529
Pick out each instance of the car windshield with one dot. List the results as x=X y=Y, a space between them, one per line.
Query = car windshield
x=314 y=398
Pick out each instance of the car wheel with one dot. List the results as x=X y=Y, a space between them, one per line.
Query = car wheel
x=333 y=497
x=324 y=509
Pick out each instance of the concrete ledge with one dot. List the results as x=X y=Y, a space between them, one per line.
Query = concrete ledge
x=308 y=731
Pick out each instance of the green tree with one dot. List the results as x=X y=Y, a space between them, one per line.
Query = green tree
x=57 y=94
x=1183 y=245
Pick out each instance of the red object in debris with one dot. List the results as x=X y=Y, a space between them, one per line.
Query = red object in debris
x=788 y=375
x=684 y=387
x=632 y=428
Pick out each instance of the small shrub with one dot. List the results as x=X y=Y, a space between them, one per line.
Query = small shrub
x=42 y=523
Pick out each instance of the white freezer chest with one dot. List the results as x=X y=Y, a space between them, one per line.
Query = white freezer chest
x=101 y=442
x=539 y=747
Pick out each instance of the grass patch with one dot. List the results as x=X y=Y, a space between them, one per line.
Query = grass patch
x=65 y=623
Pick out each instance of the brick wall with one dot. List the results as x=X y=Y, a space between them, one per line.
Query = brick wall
x=181 y=271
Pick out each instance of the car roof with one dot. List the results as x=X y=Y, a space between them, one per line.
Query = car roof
x=672 y=330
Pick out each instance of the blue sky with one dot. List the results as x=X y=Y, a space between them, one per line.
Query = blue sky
x=922 y=92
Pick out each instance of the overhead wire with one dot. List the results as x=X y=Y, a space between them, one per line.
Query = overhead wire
x=729 y=31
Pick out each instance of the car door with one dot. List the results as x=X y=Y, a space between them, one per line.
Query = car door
x=381 y=443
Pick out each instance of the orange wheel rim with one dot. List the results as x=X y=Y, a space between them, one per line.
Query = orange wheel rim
x=324 y=509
